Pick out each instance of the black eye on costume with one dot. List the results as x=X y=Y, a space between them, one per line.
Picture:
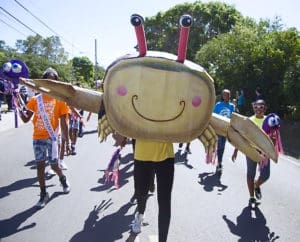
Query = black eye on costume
x=16 y=68
x=136 y=20
x=185 y=20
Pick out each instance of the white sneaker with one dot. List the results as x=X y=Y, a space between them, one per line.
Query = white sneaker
x=62 y=165
x=51 y=172
x=43 y=200
x=137 y=223
x=65 y=184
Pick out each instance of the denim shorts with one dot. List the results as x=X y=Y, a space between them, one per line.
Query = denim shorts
x=74 y=123
x=43 y=150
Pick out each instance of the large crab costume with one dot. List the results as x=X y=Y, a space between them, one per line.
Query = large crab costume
x=161 y=97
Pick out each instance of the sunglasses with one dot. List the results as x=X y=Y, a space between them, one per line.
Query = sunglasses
x=259 y=106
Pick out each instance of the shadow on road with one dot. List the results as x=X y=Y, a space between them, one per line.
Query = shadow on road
x=12 y=225
x=127 y=158
x=181 y=158
x=109 y=228
x=210 y=180
x=123 y=179
x=89 y=132
x=32 y=164
x=17 y=185
x=251 y=226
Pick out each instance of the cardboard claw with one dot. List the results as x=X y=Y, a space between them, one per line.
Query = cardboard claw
x=243 y=145
x=77 y=97
x=254 y=135
x=65 y=90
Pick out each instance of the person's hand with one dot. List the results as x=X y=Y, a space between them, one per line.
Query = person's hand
x=234 y=155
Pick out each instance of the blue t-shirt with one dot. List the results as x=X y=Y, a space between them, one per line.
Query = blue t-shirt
x=241 y=100
x=224 y=109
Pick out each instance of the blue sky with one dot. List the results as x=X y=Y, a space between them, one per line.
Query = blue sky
x=80 y=22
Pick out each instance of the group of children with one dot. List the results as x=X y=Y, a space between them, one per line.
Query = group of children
x=226 y=108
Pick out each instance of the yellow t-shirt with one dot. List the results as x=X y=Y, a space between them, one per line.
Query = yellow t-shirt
x=257 y=121
x=153 y=151
x=54 y=109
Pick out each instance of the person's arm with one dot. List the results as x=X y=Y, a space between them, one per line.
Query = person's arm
x=77 y=114
x=89 y=116
x=64 y=130
x=234 y=154
x=26 y=115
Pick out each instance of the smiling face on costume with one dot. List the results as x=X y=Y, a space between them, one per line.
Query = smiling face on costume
x=158 y=97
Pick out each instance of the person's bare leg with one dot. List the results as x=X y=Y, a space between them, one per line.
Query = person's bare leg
x=41 y=173
x=250 y=184
x=57 y=170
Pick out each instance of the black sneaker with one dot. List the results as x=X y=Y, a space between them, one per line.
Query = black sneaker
x=219 y=169
x=65 y=184
x=188 y=151
x=133 y=200
x=252 y=203
x=257 y=192
x=73 y=152
x=44 y=197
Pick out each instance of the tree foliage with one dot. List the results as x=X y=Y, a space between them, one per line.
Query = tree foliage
x=83 y=69
x=249 y=57
x=210 y=20
x=40 y=53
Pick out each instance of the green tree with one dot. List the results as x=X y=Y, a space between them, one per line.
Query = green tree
x=210 y=20
x=248 y=57
x=83 y=70
x=49 y=48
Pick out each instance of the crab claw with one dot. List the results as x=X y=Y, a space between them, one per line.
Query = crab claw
x=245 y=135
x=77 y=97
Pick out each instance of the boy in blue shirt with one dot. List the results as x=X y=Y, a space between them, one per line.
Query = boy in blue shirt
x=224 y=108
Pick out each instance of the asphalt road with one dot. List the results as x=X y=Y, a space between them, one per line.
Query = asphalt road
x=204 y=207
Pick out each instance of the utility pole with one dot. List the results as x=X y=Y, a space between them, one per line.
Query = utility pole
x=96 y=62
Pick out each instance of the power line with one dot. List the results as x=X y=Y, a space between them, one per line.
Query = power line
x=31 y=29
x=42 y=22
x=12 y=27
x=18 y=20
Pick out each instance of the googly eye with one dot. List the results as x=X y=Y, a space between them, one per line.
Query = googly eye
x=271 y=122
x=7 y=67
x=136 y=20
x=185 y=20
x=16 y=68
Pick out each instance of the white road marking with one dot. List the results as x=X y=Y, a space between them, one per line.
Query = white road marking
x=290 y=159
x=152 y=238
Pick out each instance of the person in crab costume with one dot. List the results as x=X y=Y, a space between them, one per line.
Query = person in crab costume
x=159 y=99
